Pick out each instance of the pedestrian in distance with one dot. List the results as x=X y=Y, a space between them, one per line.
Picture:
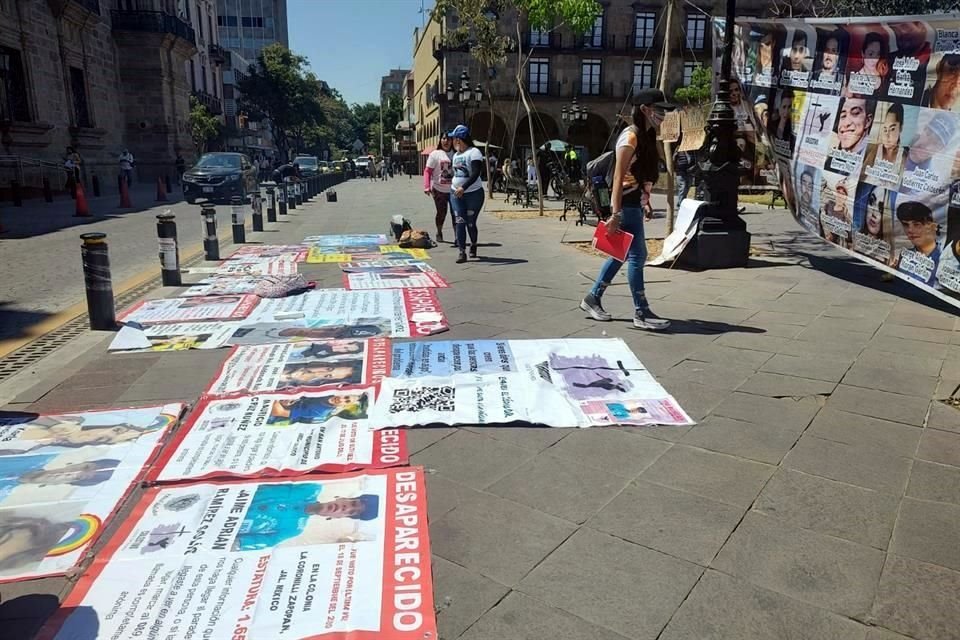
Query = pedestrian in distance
x=437 y=178
x=71 y=163
x=126 y=166
x=466 y=190
x=181 y=166
x=636 y=169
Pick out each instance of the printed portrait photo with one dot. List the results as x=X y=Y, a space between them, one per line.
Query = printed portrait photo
x=883 y=161
x=912 y=46
x=829 y=61
x=868 y=60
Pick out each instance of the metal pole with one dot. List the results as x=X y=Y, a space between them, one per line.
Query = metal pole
x=257 y=211
x=47 y=193
x=239 y=229
x=96 y=277
x=291 y=189
x=169 y=251
x=271 y=203
x=282 y=196
x=211 y=241
x=298 y=192
x=96 y=185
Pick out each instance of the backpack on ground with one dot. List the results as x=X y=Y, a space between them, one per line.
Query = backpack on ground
x=398 y=225
x=415 y=239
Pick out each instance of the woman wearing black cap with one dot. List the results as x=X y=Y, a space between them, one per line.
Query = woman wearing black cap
x=466 y=191
x=636 y=169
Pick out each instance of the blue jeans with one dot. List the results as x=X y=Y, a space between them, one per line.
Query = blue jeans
x=683 y=186
x=466 y=208
x=636 y=256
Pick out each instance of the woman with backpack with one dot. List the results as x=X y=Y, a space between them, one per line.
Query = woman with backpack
x=467 y=190
x=437 y=176
x=636 y=168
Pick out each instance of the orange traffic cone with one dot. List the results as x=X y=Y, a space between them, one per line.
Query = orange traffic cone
x=125 y=196
x=161 y=190
x=82 y=210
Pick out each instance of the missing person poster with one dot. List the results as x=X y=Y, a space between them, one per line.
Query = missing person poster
x=63 y=476
x=274 y=434
x=256 y=266
x=173 y=337
x=316 y=363
x=170 y=310
x=346 y=240
x=340 y=314
x=407 y=277
x=224 y=286
x=297 y=252
x=863 y=118
x=321 y=254
x=342 y=557
x=559 y=383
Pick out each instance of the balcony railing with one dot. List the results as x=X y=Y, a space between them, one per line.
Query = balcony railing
x=152 y=22
x=218 y=54
x=213 y=104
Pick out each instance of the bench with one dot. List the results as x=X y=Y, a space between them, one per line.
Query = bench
x=521 y=191
x=577 y=198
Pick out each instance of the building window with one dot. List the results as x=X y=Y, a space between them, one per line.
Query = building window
x=642 y=75
x=539 y=37
x=644 y=28
x=203 y=77
x=696 y=30
x=594 y=36
x=78 y=87
x=13 y=87
x=688 y=69
x=590 y=77
x=210 y=27
x=193 y=76
x=539 y=75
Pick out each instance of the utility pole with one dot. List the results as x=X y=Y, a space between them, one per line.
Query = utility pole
x=668 y=146
x=381 y=125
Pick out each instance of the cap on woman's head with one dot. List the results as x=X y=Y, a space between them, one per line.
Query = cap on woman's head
x=651 y=98
x=460 y=131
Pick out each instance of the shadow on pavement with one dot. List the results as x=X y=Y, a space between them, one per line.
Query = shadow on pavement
x=700 y=327
x=14 y=322
x=22 y=617
x=491 y=260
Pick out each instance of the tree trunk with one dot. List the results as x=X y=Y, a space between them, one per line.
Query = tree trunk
x=489 y=142
x=668 y=146
x=526 y=106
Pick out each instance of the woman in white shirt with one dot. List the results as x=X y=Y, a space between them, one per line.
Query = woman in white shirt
x=437 y=176
x=467 y=190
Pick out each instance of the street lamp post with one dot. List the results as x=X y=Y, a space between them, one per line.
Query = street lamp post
x=464 y=97
x=722 y=239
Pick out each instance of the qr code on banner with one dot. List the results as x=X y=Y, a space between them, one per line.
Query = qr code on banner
x=422 y=399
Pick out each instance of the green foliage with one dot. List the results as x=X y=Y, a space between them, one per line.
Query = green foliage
x=578 y=15
x=204 y=127
x=280 y=89
x=844 y=8
x=699 y=89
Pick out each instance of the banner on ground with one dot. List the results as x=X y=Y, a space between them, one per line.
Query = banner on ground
x=862 y=122
x=343 y=557
x=296 y=251
x=339 y=314
x=224 y=286
x=171 y=310
x=361 y=267
x=559 y=383
x=255 y=266
x=63 y=476
x=405 y=277
x=277 y=367
x=278 y=434
x=361 y=253
x=173 y=337
x=348 y=240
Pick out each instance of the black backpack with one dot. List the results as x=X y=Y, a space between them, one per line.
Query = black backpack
x=604 y=164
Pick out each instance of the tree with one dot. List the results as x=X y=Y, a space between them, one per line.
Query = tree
x=337 y=131
x=366 y=123
x=279 y=88
x=700 y=88
x=204 y=127
x=478 y=27
x=842 y=8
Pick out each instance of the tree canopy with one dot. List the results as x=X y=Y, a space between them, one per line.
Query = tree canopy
x=700 y=88
x=204 y=126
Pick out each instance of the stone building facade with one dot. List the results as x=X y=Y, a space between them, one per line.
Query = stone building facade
x=97 y=75
x=593 y=74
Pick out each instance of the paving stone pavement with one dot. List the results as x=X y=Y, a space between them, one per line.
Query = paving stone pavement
x=818 y=497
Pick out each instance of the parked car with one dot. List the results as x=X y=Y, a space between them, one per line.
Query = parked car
x=219 y=177
x=361 y=164
x=309 y=165
x=324 y=166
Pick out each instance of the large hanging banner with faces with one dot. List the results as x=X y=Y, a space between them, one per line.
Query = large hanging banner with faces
x=859 y=121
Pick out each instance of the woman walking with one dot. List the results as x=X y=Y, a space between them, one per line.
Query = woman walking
x=467 y=190
x=437 y=176
x=636 y=169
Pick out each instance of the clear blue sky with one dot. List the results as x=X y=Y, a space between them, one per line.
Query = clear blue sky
x=352 y=43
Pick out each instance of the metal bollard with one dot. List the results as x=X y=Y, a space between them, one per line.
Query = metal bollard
x=96 y=277
x=96 y=185
x=211 y=241
x=291 y=195
x=308 y=189
x=17 y=194
x=257 y=211
x=298 y=193
x=239 y=223
x=166 y=181
x=169 y=251
x=271 y=203
x=47 y=192
x=282 y=199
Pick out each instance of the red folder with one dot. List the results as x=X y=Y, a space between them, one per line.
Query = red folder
x=615 y=246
